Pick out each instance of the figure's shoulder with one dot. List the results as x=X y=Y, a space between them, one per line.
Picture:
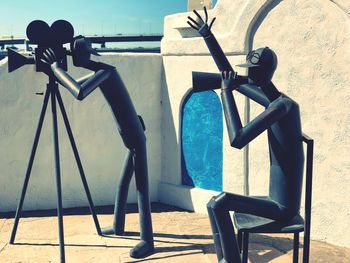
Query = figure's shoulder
x=288 y=99
x=283 y=101
x=288 y=102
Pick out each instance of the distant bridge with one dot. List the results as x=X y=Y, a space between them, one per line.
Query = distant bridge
x=94 y=39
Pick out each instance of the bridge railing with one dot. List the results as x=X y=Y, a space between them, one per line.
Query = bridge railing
x=96 y=39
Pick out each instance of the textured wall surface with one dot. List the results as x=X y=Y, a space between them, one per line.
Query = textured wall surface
x=99 y=144
x=182 y=54
x=239 y=14
x=311 y=39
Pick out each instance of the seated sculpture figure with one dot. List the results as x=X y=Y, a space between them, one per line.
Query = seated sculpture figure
x=281 y=120
x=130 y=127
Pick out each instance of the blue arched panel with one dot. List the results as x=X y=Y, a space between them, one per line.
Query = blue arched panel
x=201 y=139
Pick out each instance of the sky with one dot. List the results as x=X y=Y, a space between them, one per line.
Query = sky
x=90 y=17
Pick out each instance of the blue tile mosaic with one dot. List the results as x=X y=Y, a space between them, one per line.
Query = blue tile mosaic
x=201 y=138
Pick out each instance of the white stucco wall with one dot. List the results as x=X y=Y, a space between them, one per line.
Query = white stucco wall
x=314 y=58
x=178 y=76
x=183 y=52
x=311 y=39
x=99 y=144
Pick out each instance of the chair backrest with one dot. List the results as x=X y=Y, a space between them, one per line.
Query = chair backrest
x=308 y=187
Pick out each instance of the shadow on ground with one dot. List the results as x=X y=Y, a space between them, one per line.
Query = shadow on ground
x=180 y=236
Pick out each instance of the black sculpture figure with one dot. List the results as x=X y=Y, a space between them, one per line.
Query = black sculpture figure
x=39 y=33
x=130 y=127
x=281 y=119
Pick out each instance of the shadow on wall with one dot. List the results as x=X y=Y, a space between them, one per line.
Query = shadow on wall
x=169 y=133
x=170 y=145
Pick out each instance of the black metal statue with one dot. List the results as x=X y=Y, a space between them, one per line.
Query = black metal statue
x=130 y=127
x=54 y=37
x=281 y=119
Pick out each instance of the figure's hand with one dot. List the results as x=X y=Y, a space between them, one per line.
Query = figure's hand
x=200 y=25
x=228 y=80
x=49 y=57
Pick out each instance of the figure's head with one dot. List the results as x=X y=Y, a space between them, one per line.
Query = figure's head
x=81 y=50
x=261 y=64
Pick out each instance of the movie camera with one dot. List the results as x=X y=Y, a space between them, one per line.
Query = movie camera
x=44 y=36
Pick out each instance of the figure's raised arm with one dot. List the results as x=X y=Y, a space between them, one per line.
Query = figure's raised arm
x=200 y=25
x=204 y=29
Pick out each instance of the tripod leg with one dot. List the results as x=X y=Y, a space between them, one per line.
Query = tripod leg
x=58 y=172
x=79 y=164
x=121 y=197
x=29 y=167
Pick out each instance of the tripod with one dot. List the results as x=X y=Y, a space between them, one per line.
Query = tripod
x=52 y=89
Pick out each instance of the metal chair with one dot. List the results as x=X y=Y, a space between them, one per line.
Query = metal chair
x=247 y=223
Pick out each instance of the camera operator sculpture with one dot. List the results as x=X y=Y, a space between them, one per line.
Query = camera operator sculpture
x=54 y=37
x=131 y=129
x=281 y=119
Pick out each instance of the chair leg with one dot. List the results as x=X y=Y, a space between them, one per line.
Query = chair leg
x=306 y=249
x=296 y=248
x=245 y=247
x=239 y=241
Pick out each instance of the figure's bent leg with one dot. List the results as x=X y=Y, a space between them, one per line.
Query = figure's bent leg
x=225 y=202
x=146 y=246
x=220 y=210
x=214 y=228
x=121 y=197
